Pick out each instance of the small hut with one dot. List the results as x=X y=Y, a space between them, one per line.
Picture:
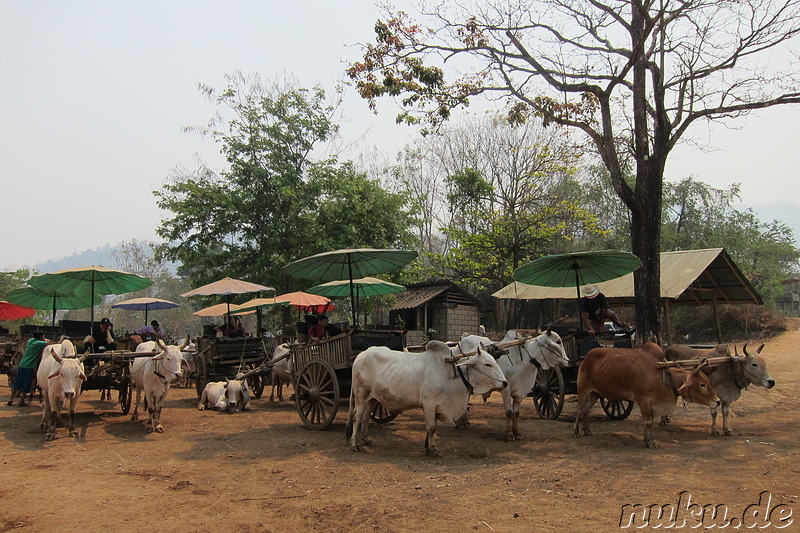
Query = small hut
x=439 y=310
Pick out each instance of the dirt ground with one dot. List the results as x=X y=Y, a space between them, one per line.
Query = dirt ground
x=264 y=471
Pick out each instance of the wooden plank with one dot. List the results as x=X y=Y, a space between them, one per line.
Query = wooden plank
x=695 y=362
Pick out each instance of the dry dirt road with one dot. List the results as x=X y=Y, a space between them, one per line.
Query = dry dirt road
x=264 y=471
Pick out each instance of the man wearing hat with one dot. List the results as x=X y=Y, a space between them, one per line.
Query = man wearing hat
x=595 y=311
x=102 y=337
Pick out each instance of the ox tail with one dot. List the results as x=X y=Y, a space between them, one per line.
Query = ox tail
x=348 y=429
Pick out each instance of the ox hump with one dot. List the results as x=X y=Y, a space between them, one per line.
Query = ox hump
x=437 y=347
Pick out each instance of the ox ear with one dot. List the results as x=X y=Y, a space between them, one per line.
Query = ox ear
x=82 y=376
x=710 y=370
x=54 y=374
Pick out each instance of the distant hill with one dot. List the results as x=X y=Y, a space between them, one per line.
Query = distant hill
x=98 y=256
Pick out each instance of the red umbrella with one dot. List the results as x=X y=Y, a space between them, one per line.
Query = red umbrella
x=9 y=311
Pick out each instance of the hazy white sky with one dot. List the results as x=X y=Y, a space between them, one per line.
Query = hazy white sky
x=95 y=93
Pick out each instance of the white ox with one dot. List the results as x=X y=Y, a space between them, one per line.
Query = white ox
x=520 y=366
x=403 y=380
x=229 y=395
x=60 y=375
x=733 y=376
x=281 y=371
x=153 y=375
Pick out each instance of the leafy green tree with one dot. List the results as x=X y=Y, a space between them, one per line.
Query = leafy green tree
x=13 y=280
x=275 y=202
x=631 y=76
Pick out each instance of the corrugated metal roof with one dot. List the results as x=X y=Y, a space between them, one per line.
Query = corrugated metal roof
x=688 y=277
x=416 y=297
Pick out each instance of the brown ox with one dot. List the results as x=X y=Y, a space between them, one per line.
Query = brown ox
x=733 y=376
x=631 y=374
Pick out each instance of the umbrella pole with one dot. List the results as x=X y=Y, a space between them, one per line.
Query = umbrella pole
x=145 y=313
x=54 y=310
x=92 y=302
x=352 y=296
x=578 y=293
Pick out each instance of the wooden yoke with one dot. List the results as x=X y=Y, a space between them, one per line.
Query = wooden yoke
x=695 y=362
x=500 y=349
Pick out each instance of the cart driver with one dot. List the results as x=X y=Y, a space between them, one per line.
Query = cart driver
x=594 y=310
x=102 y=337
x=322 y=329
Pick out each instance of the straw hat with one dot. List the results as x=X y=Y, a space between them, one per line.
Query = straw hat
x=590 y=291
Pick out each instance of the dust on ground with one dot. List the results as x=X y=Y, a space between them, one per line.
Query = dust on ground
x=263 y=471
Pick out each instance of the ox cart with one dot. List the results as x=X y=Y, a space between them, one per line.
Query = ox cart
x=552 y=385
x=322 y=373
x=220 y=358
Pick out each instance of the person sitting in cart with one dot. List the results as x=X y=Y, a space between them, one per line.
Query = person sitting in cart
x=102 y=337
x=594 y=310
x=232 y=327
x=322 y=329
x=149 y=332
x=27 y=367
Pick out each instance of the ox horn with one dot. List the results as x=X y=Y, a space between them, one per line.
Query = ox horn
x=160 y=344
x=184 y=344
x=55 y=355
x=83 y=357
x=760 y=348
x=549 y=328
x=703 y=362
x=744 y=349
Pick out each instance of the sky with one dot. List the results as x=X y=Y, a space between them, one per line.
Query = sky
x=95 y=96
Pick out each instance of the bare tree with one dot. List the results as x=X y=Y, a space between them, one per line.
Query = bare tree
x=632 y=75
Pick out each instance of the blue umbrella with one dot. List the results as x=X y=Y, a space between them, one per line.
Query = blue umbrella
x=145 y=304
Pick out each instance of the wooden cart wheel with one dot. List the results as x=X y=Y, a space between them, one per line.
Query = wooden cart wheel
x=256 y=385
x=548 y=393
x=201 y=377
x=126 y=394
x=317 y=394
x=380 y=415
x=616 y=410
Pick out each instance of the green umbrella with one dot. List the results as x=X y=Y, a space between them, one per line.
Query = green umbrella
x=579 y=268
x=39 y=299
x=363 y=287
x=349 y=264
x=93 y=280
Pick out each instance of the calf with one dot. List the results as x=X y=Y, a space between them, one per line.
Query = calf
x=632 y=374
x=733 y=376
x=403 y=380
x=520 y=365
x=229 y=395
x=153 y=376
x=60 y=375
x=281 y=371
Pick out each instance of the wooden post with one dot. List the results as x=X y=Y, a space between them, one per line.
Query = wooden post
x=667 y=325
x=716 y=317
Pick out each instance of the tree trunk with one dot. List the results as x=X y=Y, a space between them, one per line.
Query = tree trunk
x=646 y=245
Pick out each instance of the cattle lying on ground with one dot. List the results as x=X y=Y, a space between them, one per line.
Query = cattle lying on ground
x=732 y=377
x=520 y=364
x=153 y=376
x=403 y=380
x=281 y=371
x=60 y=375
x=229 y=395
x=632 y=374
